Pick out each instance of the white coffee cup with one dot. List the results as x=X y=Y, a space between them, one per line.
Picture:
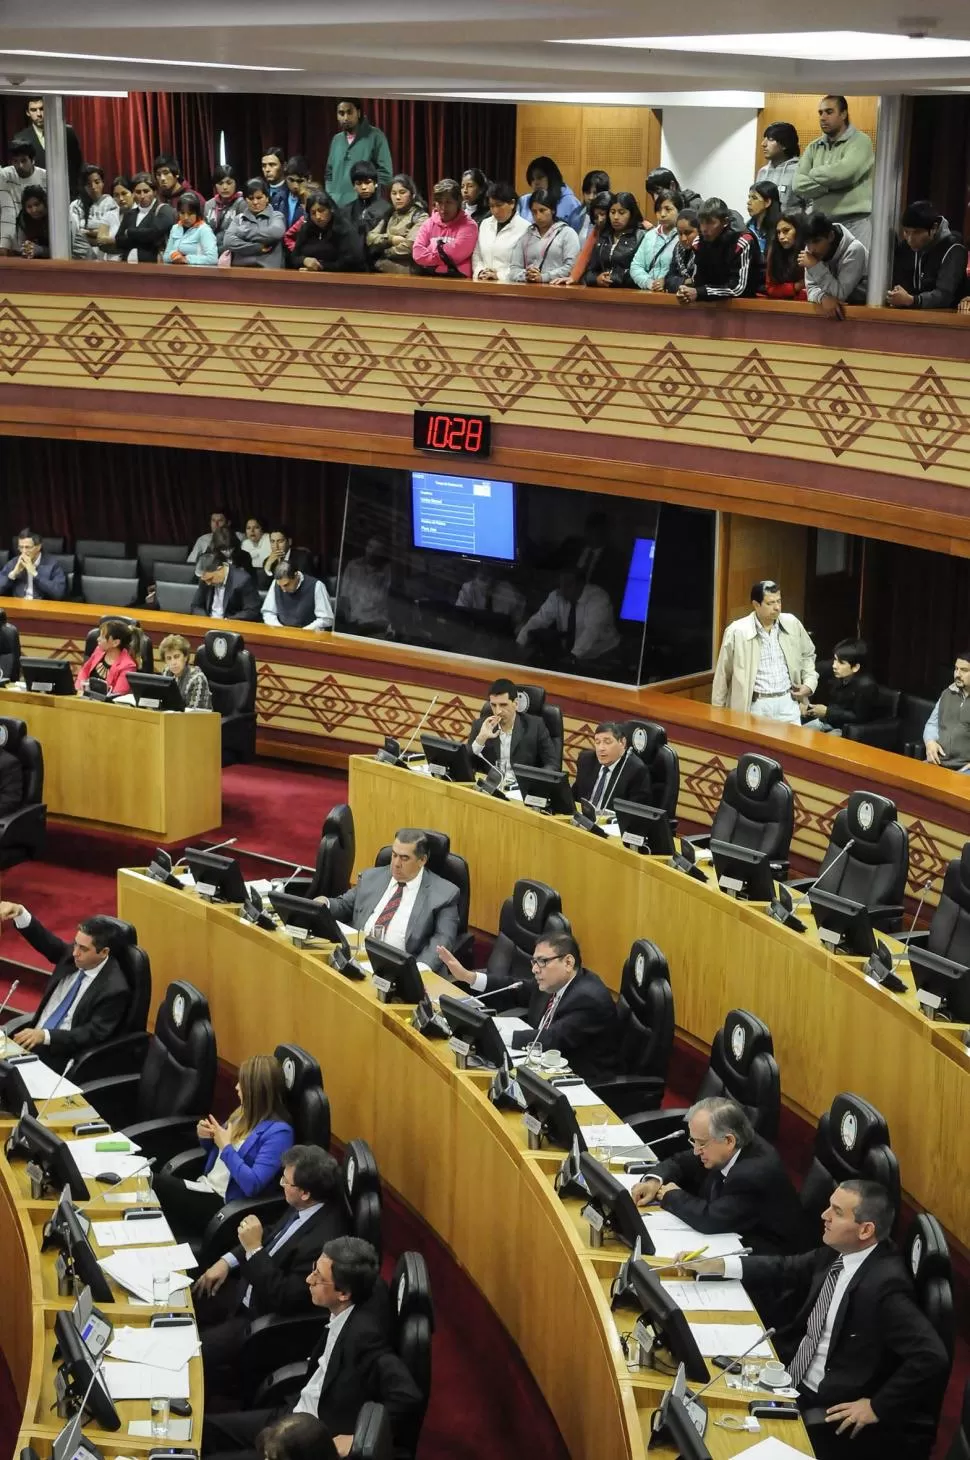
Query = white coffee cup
x=552 y=1059
x=775 y=1375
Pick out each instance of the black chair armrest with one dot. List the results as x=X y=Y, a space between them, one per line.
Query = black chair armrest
x=280 y=1341
x=113 y=1097
x=919 y=940
x=658 y=1123
x=166 y=1136
x=220 y=1235
x=14 y=1026
x=627 y=1094
x=283 y=1384
x=27 y=825
x=122 y=1056
x=886 y=918
x=698 y=839
x=801 y=884
x=188 y=1165
x=884 y=734
x=915 y=749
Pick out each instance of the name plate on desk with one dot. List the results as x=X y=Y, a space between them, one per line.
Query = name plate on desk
x=830 y=938
x=460 y=1046
x=438 y=771
x=382 y=985
x=730 y=884
x=532 y=1124
x=299 y=935
x=147 y=704
x=630 y=839
x=540 y=802
x=593 y=1217
x=42 y=687
x=206 y=889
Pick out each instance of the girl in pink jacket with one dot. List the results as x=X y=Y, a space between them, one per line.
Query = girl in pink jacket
x=446 y=241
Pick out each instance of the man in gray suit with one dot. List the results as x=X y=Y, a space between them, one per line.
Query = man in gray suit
x=407 y=905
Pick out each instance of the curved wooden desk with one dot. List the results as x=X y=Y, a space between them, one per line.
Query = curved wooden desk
x=459 y=1162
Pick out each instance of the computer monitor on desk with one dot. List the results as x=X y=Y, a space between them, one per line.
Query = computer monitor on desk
x=472 y=1024
x=45 y=1150
x=742 y=871
x=47 y=676
x=545 y=790
x=644 y=829
x=67 y=1230
x=844 y=926
x=448 y=760
x=76 y=1372
x=662 y=1323
x=217 y=878
x=14 y=1095
x=944 y=980
x=680 y=1422
x=611 y=1207
x=155 y=691
x=397 y=977
x=303 y=919
x=551 y=1114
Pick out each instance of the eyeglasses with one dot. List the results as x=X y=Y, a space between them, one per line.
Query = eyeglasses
x=699 y=1145
x=542 y=962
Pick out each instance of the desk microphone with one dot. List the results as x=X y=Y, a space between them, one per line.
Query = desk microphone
x=641 y=1168
x=418 y=728
x=61 y=1078
x=824 y=873
x=505 y=989
x=229 y=842
x=765 y=1333
x=882 y=965
x=72 y=1434
x=9 y=994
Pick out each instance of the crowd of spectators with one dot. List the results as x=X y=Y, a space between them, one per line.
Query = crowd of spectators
x=805 y=233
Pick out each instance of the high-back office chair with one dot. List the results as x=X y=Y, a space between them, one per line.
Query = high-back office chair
x=648 y=740
x=925 y=1252
x=122 y=939
x=144 y=642
x=175 y=597
x=151 y=553
x=414 y=1328
x=757 y=810
x=9 y=648
x=454 y=869
x=948 y=934
x=372 y=1439
x=362 y=1189
x=231 y=671
x=110 y=567
x=23 y=832
x=873 y=870
x=645 y=1011
x=335 y=854
x=914 y=711
x=124 y=1052
x=530 y=699
x=99 y=547
x=125 y=592
x=183 y=573
x=533 y=911
x=851 y=1140
x=883 y=729
x=742 y=1067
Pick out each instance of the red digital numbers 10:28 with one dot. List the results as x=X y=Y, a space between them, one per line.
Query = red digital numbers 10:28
x=454 y=433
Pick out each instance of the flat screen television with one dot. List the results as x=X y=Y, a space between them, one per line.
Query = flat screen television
x=636 y=593
x=464 y=516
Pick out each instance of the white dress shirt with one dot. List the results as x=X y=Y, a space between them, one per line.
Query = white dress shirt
x=596 y=632
x=364 y=592
x=322 y=607
x=504 y=748
x=309 y=1400
x=396 y=930
x=23 y=920
x=219 y=599
x=29 y=584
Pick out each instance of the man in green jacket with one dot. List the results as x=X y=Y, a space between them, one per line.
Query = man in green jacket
x=357 y=141
x=835 y=171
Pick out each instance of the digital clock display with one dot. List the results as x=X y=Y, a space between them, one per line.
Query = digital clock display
x=452 y=434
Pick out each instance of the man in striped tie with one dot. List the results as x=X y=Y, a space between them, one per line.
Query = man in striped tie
x=869 y=1367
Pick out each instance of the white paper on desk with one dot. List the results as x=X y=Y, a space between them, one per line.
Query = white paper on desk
x=90 y=1162
x=730 y=1339
x=613 y=1137
x=146 y=1230
x=509 y=1024
x=129 y=1199
x=159 y=1259
x=144 y=1381
x=714 y=1244
x=580 y=1096
x=720 y=1297
x=137 y=1278
x=772 y=1449
x=161 y=1348
x=40 y=1081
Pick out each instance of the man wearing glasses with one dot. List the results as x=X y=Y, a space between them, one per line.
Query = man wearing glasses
x=570 y=1009
x=731 y=1180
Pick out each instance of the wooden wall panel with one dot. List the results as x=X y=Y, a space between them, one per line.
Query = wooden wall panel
x=801 y=109
x=759 y=547
x=624 y=140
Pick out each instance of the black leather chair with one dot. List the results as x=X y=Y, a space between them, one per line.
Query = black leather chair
x=960 y=1444
x=454 y=869
x=883 y=729
x=174 y=1087
x=645 y=1009
x=742 y=1066
x=914 y=711
x=99 y=588
x=125 y=1051
x=150 y=553
x=649 y=741
x=98 y=547
x=532 y=911
x=335 y=856
x=9 y=648
x=122 y=943
x=530 y=699
x=110 y=567
x=231 y=671
x=851 y=1141
x=372 y=1438
x=23 y=833
x=414 y=1322
x=144 y=645
x=874 y=869
x=948 y=934
x=757 y=810
x=925 y=1252
x=362 y=1189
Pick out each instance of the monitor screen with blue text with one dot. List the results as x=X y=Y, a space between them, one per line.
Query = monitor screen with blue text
x=466 y=515
x=636 y=594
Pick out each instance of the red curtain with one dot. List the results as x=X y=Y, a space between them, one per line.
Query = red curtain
x=939 y=156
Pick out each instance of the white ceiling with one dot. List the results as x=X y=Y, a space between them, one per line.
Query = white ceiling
x=498 y=49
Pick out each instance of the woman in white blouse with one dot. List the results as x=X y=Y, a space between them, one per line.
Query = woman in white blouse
x=256 y=541
x=498 y=234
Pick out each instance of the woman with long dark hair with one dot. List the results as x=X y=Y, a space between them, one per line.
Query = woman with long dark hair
x=145 y=226
x=547 y=250
x=391 y=241
x=93 y=210
x=543 y=175
x=617 y=245
x=764 y=210
x=683 y=261
x=226 y=201
x=474 y=194
x=598 y=217
x=325 y=241
x=498 y=235
x=784 y=275
x=649 y=267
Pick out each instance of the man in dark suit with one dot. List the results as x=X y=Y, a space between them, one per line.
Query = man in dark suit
x=30 y=574
x=351 y=1363
x=86 y=995
x=869 y=1367
x=731 y=1180
x=408 y=906
x=35 y=132
x=266 y=1273
x=610 y=771
x=225 y=591
x=506 y=738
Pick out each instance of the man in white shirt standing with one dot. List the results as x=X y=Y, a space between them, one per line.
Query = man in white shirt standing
x=869 y=1367
x=767 y=660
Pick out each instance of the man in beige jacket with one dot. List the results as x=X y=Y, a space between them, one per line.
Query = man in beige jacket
x=767 y=660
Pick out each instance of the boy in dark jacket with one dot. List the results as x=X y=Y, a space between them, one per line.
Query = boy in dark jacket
x=930 y=269
x=848 y=694
x=369 y=206
x=728 y=260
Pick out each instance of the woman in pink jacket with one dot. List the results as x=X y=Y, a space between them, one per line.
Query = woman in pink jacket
x=110 y=661
x=446 y=241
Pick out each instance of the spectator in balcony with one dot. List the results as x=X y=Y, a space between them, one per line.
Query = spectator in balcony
x=834 y=173
x=226 y=201
x=661 y=179
x=544 y=176
x=271 y=165
x=574 y=625
x=358 y=140
x=110 y=661
x=498 y=235
x=446 y=241
x=474 y=194
x=256 y=541
x=930 y=270
x=218 y=518
x=20 y=174
x=683 y=263
x=781 y=149
x=598 y=220
x=835 y=264
x=122 y=194
x=546 y=251
x=847 y=694
x=32 y=235
x=224 y=591
x=617 y=246
x=35 y=134
x=370 y=204
x=191 y=240
x=390 y=242
x=227 y=545
x=169 y=181
x=946 y=733
x=728 y=261
x=595 y=182
x=282 y=551
x=364 y=589
x=173 y=653
x=483 y=592
x=291 y=204
x=655 y=254
x=254 y=238
x=764 y=210
x=325 y=242
x=94 y=211
x=784 y=275
x=296 y=600
x=766 y=663
x=30 y=575
x=145 y=226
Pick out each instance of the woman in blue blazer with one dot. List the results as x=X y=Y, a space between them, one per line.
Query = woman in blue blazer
x=244 y=1157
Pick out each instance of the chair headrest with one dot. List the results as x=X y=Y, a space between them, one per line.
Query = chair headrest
x=223 y=646
x=339 y=822
x=925 y=1250
x=185 y=1005
x=745 y=1037
x=854 y=1125
x=120 y=618
x=532 y=903
x=12 y=734
x=965 y=866
x=3 y=617
x=645 y=738
x=530 y=699
x=301 y=1071
x=757 y=774
x=410 y=1285
x=645 y=963
x=439 y=845
x=869 y=814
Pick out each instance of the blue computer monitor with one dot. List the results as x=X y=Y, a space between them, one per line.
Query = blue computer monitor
x=636 y=594
x=467 y=516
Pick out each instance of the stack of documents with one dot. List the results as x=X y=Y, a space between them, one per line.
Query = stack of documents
x=145 y=1381
x=144 y=1362
x=731 y=1339
x=91 y=1161
x=40 y=1081
x=719 y=1297
x=670 y=1235
x=150 y=1228
x=620 y=1140
x=135 y=1267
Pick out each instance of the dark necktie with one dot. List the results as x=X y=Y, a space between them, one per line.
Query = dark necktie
x=600 y=787
x=272 y=1247
x=389 y=909
x=571 y=627
x=808 y=1347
